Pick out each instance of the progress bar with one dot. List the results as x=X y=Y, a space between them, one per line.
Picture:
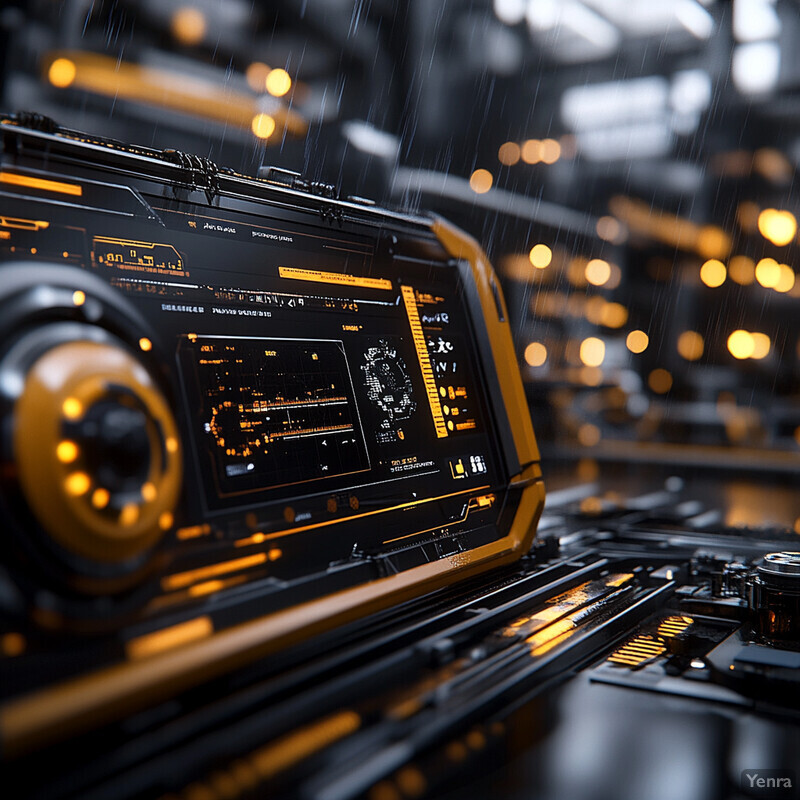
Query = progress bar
x=424 y=361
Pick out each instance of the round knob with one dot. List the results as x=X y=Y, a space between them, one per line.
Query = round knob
x=97 y=451
x=775 y=598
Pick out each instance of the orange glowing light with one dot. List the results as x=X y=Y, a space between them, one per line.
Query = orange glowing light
x=691 y=345
x=531 y=151
x=779 y=227
x=768 y=273
x=481 y=181
x=593 y=351
x=100 y=498
x=608 y=229
x=660 y=381
x=597 y=271
x=540 y=256
x=786 y=279
x=66 y=451
x=62 y=73
x=72 y=408
x=509 y=154
x=278 y=82
x=77 y=483
x=550 y=151
x=535 y=354
x=741 y=344
x=263 y=126
x=713 y=273
x=742 y=270
x=761 y=345
x=44 y=184
x=256 y=76
x=189 y=25
x=637 y=341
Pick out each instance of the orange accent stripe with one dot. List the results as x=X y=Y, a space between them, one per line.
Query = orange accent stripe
x=29 y=182
x=413 y=503
x=169 y=638
x=163 y=88
x=181 y=579
x=424 y=360
x=318 y=276
x=193 y=531
x=24 y=224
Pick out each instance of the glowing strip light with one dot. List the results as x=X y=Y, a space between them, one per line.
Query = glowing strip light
x=638 y=652
x=29 y=182
x=123 y=80
x=318 y=276
x=169 y=638
x=24 y=224
x=424 y=360
x=181 y=579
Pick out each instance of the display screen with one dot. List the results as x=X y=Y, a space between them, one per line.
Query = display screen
x=318 y=377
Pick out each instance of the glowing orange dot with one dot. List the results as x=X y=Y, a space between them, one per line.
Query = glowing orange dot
x=62 y=73
x=660 y=381
x=149 y=492
x=589 y=435
x=263 y=126
x=481 y=181
x=761 y=345
x=741 y=344
x=72 y=408
x=593 y=351
x=779 y=227
x=256 y=76
x=540 y=256
x=531 y=151
x=12 y=644
x=189 y=25
x=509 y=154
x=597 y=271
x=535 y=354
x=691 y=345
x=742 y=270
x=77 y=483
x=165 y=520
x=66 y=451
x=129 y=514
x=713 y=273
x=550 y=151
x=608 y=229
x=278 y=82
x=613 y=315
x=768 y=273
x=145 y=344
x=100 y=497
x=786 y=279
x=637 y=341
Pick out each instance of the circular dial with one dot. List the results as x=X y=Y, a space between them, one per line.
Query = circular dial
x=388 y=382
x=96 y=449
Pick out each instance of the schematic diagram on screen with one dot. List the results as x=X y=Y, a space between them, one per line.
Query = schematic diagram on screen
x=388 y=382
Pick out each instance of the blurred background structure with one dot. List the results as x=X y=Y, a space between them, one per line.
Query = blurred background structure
x=628 y=165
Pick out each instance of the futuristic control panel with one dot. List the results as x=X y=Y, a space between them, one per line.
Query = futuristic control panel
x=236 y=412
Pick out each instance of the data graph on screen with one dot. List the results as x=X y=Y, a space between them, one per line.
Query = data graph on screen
x=275 y=411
